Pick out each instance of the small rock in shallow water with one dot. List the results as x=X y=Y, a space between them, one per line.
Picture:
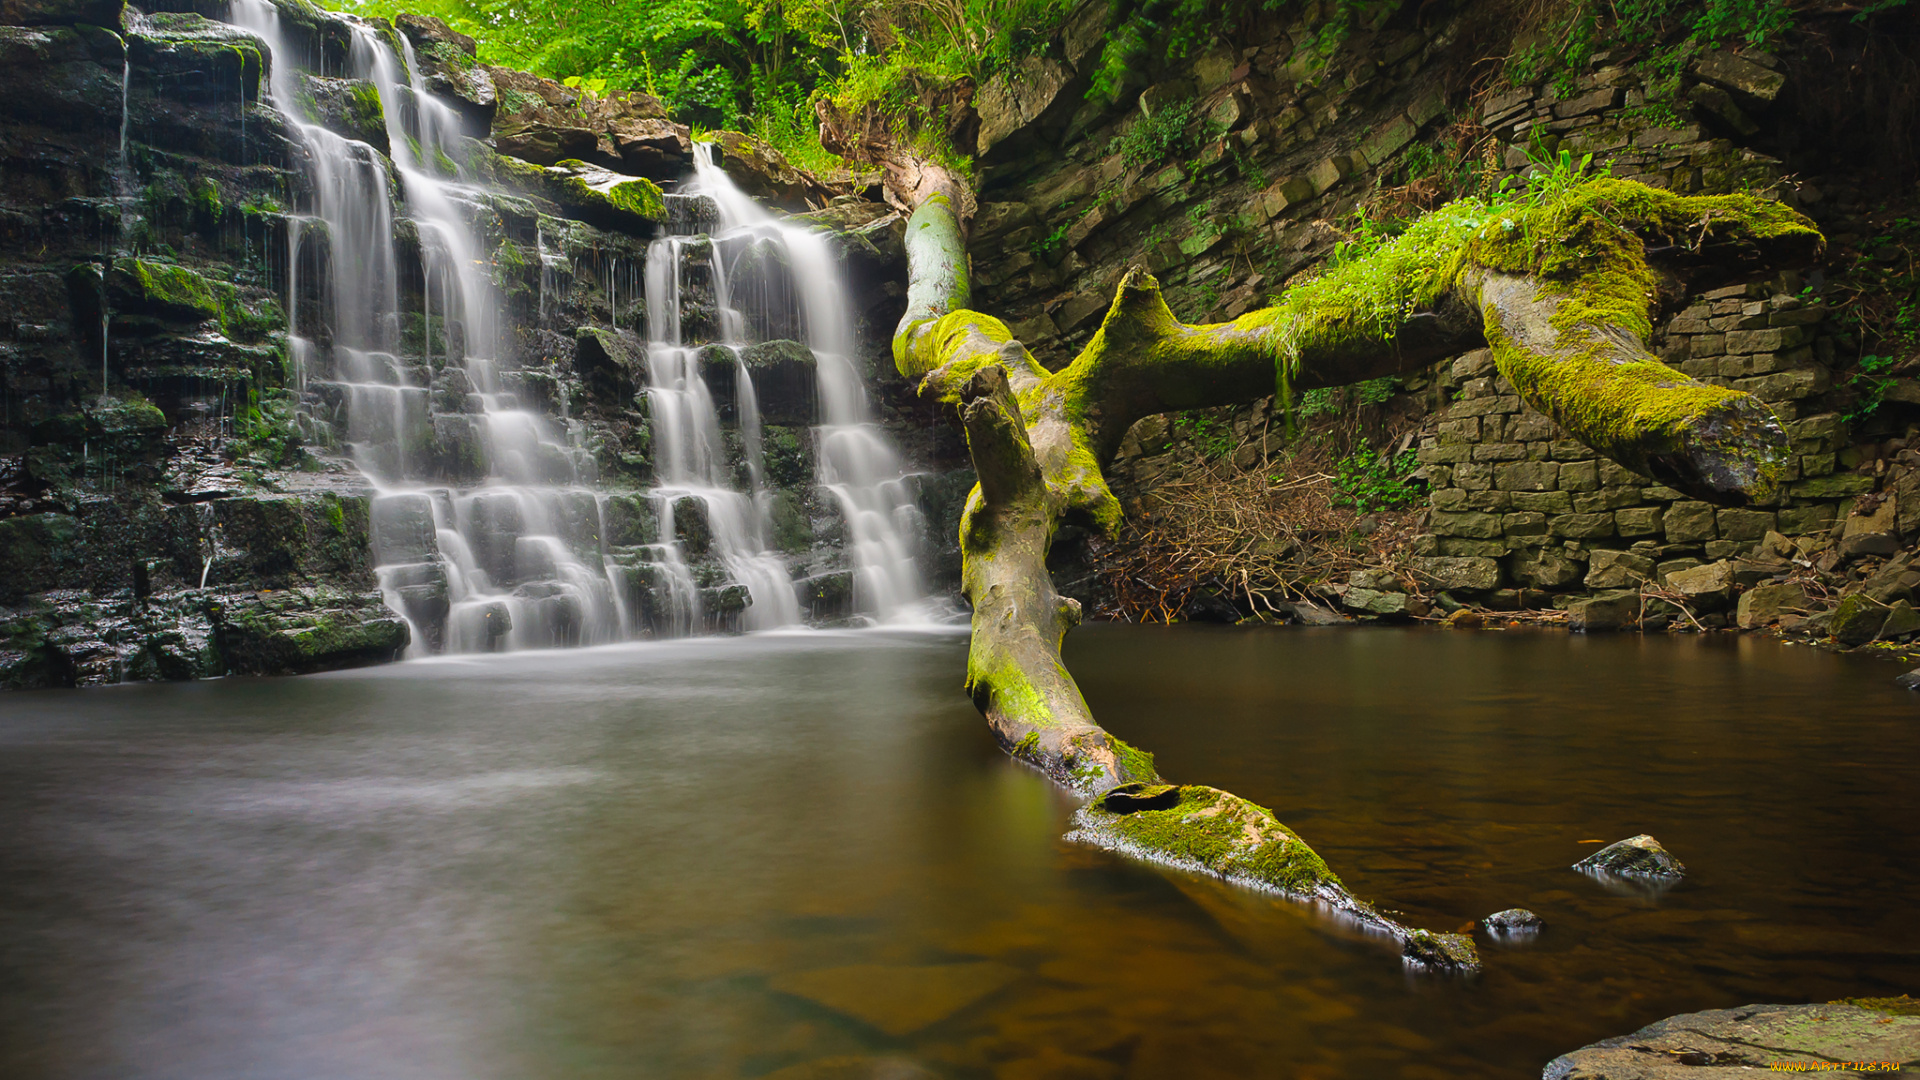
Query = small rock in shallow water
x=1911 y=680
x=1465 y=619
x=1639 y=856
x=1439 y=952
x=1512 y=922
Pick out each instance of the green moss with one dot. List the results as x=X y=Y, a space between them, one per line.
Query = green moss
x=1221 y=833
x=640 y=197
x=171 y=290
x=364 y=107
x=1904 y=1005
x=1587 y=243
x=1368 y=299
x=204 y=196
x=1136 y=765
x=1587 y=247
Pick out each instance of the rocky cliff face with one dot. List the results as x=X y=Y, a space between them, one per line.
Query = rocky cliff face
x=1228 y=174
x=177 y=498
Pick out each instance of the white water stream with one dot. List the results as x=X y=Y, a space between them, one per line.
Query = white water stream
x=857 y=463
x=522 y=559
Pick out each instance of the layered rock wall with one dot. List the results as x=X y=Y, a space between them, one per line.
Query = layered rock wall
x=1231 y=172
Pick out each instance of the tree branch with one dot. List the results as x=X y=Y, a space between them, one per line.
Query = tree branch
x=1561 y=291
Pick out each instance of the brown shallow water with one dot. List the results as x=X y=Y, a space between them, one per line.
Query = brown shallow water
x=732 y=858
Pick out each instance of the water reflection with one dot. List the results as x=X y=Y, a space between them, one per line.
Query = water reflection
x=789 y=854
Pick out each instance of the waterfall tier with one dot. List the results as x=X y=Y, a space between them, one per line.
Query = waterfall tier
x=726 y=349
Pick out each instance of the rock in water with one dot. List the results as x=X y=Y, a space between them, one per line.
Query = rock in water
x=1513 y=922
x=1911 y=680
x=1747 y=1041
x=1638 y=856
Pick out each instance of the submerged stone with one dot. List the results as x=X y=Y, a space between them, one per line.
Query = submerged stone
x=1442 y=952
x=897 y=999
x=1637 y=856
x=1513 y=922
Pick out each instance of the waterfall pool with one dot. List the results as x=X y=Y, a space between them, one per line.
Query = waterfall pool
x=801 y=855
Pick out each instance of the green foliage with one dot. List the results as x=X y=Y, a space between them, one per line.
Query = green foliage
x=1369 y=482
x=1339 y=400
x=1176 y=29
x=1169 y=134
x=1667 y=34
x=1876 y=293
x=1206 y=432
x=1871 y=380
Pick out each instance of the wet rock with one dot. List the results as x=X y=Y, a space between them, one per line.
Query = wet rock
x=1606 y=611
x=1543 y=568
x=198 y=59
x=49 y=76
x=1376 y=580
x=1902 y=621
x=1439 y=952
x=1618 y=570
x=1740 y=74
x=1856 y=621
x=1635 y=857
x=1461 y=573
x=403 y=528
x=545 y=144
x=1374 y=602
x=1022 y=97
x=1705 y=588
x=1309 y=614
x=450 y=71
x=586 y=192
x=308 y=629
x=163 y=290
x=827 y=596
x=60 y=12
x=1911 y=680
x=1465 y=619
x=1513 y=922
x=1752 y=1038
x=1868 y=543
x=606 y=362
x=349 y=107
x=897 y=999
x=1764 y=605
x=762 y=172
x=658 y=149
x=783 y=375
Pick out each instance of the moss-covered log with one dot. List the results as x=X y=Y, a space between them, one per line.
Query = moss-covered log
x=1563 y=293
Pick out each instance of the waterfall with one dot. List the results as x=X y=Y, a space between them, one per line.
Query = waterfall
x=520 y=553
x=857 y=463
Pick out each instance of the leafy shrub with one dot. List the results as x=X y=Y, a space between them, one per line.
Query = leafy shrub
x=1369 y=482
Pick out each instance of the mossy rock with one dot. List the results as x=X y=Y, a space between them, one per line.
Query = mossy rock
x=1207 y=830
x=581 y=191
x=155 y=288
x=303 y=630
x=1857 y=620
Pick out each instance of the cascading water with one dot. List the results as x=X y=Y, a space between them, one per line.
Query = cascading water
x=857 y=463
x=522 y=556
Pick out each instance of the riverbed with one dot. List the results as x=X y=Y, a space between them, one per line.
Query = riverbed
x=783 y=854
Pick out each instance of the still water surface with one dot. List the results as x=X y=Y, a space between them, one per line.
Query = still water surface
x=783 y=855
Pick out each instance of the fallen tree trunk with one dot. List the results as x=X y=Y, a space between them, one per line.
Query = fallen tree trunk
x=1561 y=291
